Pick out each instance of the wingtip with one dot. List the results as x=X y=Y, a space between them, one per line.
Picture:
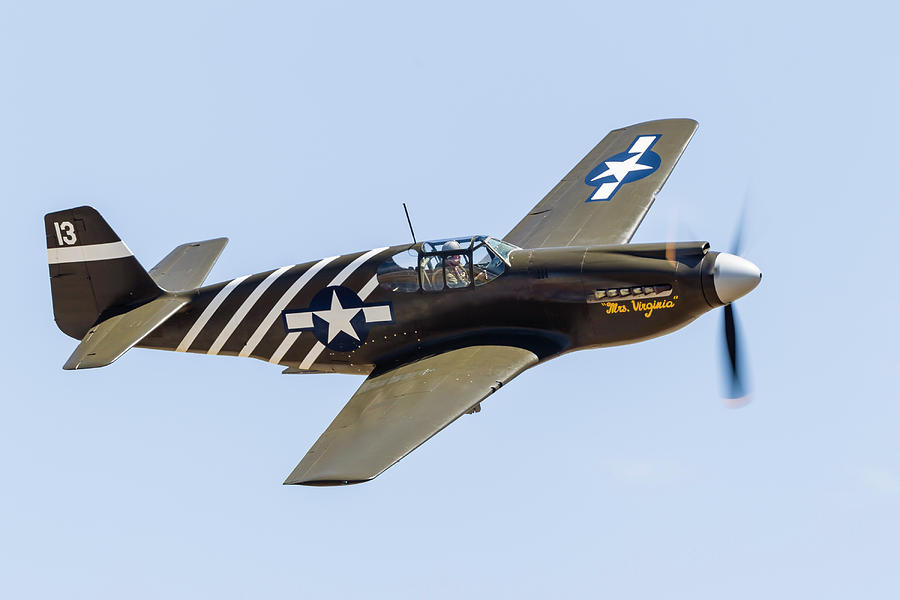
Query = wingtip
x=686 y=121
x=325 y=482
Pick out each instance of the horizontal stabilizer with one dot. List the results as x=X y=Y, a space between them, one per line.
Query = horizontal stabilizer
x=109 y=340
x=186 y=267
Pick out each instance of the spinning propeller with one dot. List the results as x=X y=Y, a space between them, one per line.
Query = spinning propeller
x=733 y=277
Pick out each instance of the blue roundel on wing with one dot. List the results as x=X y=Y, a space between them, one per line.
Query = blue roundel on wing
x=338 y=318
x=610 y=175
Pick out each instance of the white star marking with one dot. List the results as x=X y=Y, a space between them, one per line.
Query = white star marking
x=338 y=318
x=620 y=168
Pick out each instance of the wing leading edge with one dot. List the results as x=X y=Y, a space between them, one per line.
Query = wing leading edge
x=393 y=413
x=605 y=197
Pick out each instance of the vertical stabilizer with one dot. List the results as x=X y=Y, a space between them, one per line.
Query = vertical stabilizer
x=93 y=274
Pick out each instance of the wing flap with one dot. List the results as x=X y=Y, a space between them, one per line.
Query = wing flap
x=395 y=412
x=606 y=196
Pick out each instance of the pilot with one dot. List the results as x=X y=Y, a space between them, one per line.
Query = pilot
x=456 y=274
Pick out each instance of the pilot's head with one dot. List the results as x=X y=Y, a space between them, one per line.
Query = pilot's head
x=453 y=259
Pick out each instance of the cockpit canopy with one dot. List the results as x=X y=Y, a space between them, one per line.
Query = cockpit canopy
x=452 y=263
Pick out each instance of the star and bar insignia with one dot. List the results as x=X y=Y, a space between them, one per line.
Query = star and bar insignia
x=338 y=318
x=614 y=172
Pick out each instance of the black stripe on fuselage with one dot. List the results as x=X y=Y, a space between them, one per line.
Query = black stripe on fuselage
x=276 y=332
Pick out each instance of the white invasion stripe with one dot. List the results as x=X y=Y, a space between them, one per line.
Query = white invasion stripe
x=289 y=340
x=292 y=291
x=87 y=253
x=312 y=356
x=368 y=288
x=349 y=269
x=285 y=345
x=244 y=308
x=207 y=314
x=316 y=350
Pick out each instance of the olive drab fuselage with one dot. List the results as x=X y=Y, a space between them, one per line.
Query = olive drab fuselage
x=547 y=300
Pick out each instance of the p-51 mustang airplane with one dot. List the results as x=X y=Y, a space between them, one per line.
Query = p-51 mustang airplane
x=435 y=326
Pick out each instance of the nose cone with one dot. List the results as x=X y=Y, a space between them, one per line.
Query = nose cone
x=734 y=276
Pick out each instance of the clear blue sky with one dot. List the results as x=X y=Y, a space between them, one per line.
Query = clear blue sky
x=297 y=129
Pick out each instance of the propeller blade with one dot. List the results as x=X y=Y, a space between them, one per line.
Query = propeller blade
x=737 y=242
x=736 y=392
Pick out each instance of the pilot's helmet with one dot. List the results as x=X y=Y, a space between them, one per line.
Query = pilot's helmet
x=452 y=245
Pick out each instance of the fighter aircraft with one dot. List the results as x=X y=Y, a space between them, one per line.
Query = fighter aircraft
x=436 y=327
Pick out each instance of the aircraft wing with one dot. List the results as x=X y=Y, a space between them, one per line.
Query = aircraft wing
x=605 y=197
x=394 y=412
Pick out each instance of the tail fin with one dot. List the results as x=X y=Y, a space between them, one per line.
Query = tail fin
x=93 y=274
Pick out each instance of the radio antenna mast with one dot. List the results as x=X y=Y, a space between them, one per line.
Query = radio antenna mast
x=408 y=220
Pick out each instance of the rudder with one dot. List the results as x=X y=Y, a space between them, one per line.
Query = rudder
x=93 y=274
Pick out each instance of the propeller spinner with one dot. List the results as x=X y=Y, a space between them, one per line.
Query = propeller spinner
x=734 y=277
